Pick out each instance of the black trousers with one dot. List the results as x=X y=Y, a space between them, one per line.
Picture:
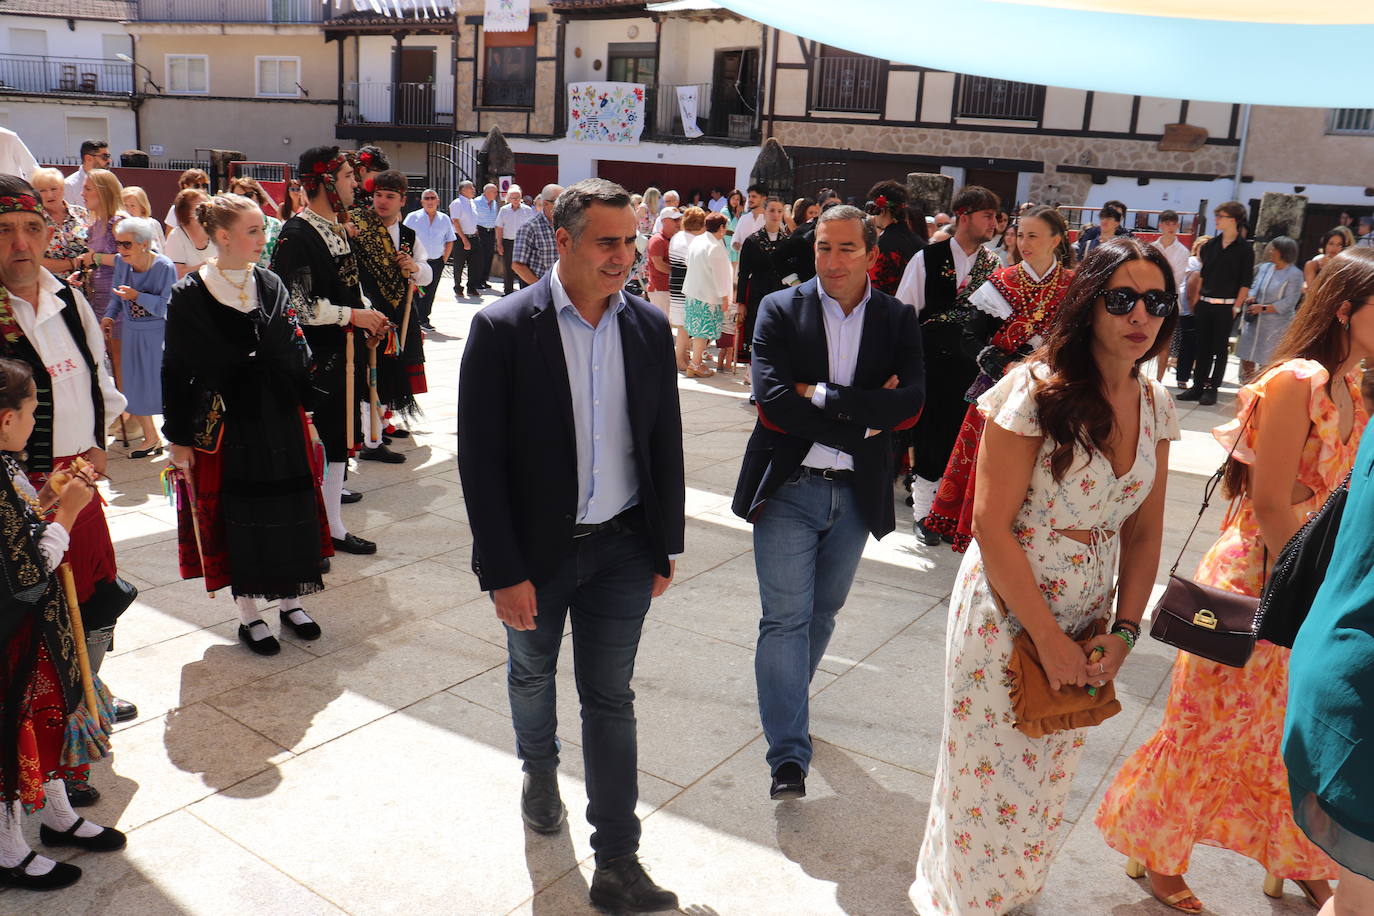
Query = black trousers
x=487 y=239
x=424 y=303
x=1213 y=327
x=1187 y=349
x=469 y=257
x=511 y=278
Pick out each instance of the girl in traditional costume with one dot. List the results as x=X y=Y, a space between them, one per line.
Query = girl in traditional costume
x=47 y=735
x=1014 y=312
x=234 y=378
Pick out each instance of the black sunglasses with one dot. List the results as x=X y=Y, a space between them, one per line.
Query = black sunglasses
x=1122 y=299
x=125 y=246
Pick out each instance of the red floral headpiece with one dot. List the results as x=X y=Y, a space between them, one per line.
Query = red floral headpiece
x=365 y=159
x=22 y=203
x=881 y=201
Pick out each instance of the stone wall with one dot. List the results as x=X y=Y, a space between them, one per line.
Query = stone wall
x=1051 y=187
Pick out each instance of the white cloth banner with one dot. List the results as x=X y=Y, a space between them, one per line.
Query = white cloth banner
x=507 y=16
x=687 y=107
x=605 y=112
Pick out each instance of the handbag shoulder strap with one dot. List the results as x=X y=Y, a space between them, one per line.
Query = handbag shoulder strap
x=1211 y=488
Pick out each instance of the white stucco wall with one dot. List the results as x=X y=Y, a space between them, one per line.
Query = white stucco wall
x=86 y=40
x=43 y=126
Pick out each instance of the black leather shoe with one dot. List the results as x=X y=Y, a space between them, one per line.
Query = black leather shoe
x=81 y=794
x=324 y=565
x=267 y=645
x=349 y=497
x=540 y=804
x=1208 y=398
x=153 y=452
x=381 y=453
x=107 y=840
x=308 y=630
x=62 y=875
x=124 y=711
x=788 y=782
x=623 y=885
x=399 y=433
x=1192 y=394
x=926 y=536
x=351 y=543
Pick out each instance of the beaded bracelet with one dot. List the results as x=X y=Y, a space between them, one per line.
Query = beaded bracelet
x=1126 y=636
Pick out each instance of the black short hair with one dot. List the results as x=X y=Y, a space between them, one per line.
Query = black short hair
x=14 y=186
x=91 y=147
x=390 y=180
x=1169 y=216
x=1118 y=206
x=758 y=189
x=570 y=210
x=1110 y=212
x=315 y=155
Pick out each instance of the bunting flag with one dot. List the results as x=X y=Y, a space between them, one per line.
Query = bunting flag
x=687 y=107
x=507 y=16
x=1262 y=52
x=605 y=112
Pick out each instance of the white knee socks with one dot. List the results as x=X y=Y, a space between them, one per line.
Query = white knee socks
x=57 y=811
x=291 y=607
x=922 y=496
x=333 y=496
x=13 y=847
x=248 y=611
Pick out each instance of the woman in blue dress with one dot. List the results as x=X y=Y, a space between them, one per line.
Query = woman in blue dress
x=141 y=286
x=1328 y=740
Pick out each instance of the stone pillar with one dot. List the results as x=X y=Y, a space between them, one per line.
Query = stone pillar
x=219 y=168
x=495 y=158
x=1279 y=214
x=931 y=191
x=773 y=170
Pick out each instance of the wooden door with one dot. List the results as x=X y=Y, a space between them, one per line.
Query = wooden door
x=413 y=95
x=1001 y=183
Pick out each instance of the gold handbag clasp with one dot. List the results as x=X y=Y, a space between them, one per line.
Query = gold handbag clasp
x=1205 y=618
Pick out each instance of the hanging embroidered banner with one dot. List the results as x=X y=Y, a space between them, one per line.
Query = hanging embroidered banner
x=605 y=112
x=687 y=107
x=507 y=16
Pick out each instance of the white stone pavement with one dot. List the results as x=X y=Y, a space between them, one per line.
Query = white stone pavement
x=373 y=771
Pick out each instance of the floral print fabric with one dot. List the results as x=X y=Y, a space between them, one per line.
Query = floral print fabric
x=1218 y=746
x=998 y=800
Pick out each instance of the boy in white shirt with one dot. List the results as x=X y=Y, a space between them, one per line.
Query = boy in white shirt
x=1176 y=253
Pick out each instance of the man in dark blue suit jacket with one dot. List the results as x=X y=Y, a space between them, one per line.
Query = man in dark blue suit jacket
x=570 y=449
x=837 y=366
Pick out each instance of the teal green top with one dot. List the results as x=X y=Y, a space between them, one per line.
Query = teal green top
x=1328 y=741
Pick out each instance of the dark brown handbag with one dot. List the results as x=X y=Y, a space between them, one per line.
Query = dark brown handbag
x=1039 y=709
x=1210 y=622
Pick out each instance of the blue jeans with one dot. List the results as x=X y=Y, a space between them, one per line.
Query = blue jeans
x=808 y=539
x=605 y=582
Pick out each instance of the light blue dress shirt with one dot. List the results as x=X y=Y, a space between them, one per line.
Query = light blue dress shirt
x=843 y=334
x=434 y=235
x=486 y=211
x=607 y=483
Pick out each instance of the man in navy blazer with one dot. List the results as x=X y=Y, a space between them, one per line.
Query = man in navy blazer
x=570 y=450
x=837 y=366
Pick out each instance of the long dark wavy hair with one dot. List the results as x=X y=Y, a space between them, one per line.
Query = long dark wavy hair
x=1073 y=408
x=1316 y=333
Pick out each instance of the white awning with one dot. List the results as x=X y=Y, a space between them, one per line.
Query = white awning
x=682 y=6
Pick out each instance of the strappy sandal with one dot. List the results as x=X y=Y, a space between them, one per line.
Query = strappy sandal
x=1136 y=869
x=62 y=875
x=1273 y=887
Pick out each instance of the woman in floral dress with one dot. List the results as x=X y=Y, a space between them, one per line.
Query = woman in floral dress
x=1213 y=772
x=1072 y=473
x=67 y=220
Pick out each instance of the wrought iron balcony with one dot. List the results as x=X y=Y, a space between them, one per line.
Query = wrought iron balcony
x=220 y=11
x=399 y=104
x=721 y=113
x=40 y=73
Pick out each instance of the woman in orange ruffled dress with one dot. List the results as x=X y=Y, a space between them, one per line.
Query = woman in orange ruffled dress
x=1213 y=772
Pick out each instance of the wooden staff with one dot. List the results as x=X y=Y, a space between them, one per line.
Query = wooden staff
x=83 y=659
x=352 y=405
x=374 y=406
x=195 y=527
x=405 y=317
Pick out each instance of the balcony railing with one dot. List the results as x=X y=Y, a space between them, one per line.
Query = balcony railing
x=721 y=115
x=66 y=75
x=399 y=104
x=1002 y=100
x=505 y=93
x=846 y=83
x=268 y=11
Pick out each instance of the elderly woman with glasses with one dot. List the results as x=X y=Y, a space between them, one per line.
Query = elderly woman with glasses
x=1274 y=296
x=143 y=282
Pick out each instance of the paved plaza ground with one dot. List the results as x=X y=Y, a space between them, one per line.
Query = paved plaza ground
x=373 y=771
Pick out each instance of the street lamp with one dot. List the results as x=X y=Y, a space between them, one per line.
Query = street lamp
x=129 y=60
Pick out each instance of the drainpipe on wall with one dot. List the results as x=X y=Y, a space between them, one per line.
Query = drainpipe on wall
x=1240 y=153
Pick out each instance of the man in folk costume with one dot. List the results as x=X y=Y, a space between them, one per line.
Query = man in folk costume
x=1013 y=312
x=50 y=327
x=939 y=281
x=391 y=263
x=315 y=261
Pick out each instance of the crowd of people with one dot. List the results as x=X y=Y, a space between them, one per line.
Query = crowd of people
x=1013 y=377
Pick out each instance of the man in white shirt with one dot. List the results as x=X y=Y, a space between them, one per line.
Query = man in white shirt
x=751 y=220
x=468 y=250
x=15 y=158
x=670 y=199
x=95 y=154
x=718 y=201
x=1177 y=254
x=508 y=222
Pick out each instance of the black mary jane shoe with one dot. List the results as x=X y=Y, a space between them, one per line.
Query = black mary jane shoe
x=351 y=543
x=324 y=565
x=383 y=454
x=267 y=645
x=350 y=496
x=788 y=782
x=107 y=840
x=153 y=452
x=63 y=874
x=81 y=794
x=307 y=631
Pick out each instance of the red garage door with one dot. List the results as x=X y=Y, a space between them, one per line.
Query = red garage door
x=636 y=176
